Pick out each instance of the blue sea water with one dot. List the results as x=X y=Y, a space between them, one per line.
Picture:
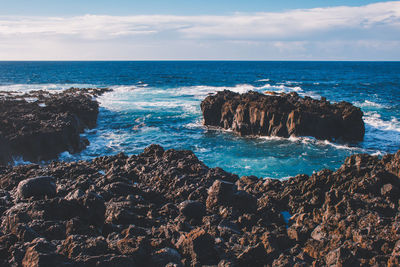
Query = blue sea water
x=159 y=102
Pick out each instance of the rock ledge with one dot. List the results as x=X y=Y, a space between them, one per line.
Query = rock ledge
x=39 y=125
x=283 y=115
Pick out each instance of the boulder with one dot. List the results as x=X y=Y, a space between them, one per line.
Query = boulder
x=37 y=187
x=199 y=247
x=220 y=193
x=42 y=253
x=283 y=115
x=192 y=209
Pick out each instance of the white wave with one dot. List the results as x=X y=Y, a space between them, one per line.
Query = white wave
x=340 y=146
x=129 y=97
x=31 y=99
x=381 y=133
x=309 y=140
x=275 y=138
x=148 y=129
x=263 y=80
x=284 y=178
x=194 y=125
x=201 y=91
x=368 y=103
x=378 y=153
x=142 y=84
x=201 y=149
x=123 y=88
x=375 y=120
x=23 y=88
x=291 y=82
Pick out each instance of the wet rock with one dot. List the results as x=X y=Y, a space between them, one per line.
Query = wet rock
x=283 y=115
x=37 y=187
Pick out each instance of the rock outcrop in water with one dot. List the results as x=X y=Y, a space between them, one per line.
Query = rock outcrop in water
x=283 y=115
x=39 y=125
x=167 y=208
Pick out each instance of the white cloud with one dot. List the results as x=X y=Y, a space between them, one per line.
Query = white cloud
x=296 y=30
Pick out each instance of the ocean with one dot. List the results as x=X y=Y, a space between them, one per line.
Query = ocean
x=159 y=102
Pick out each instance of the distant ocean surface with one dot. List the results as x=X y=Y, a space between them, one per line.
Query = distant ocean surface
x=159 y=102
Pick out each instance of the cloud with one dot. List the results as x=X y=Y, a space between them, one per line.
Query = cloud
x=298 y=29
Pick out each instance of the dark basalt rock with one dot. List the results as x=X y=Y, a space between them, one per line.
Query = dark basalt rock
x=192 y=209
x=37 y=187
x=198 y=246
x=47 y=124
x=283 y=115
x=166 y=208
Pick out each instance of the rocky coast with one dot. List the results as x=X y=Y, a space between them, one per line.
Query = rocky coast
x=163 y=208
x=167 y=208
x=39 y=125
x=283 y=115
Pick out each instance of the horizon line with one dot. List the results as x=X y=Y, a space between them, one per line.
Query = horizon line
x=198 y=60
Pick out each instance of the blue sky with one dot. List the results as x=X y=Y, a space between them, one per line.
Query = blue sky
x=199 y=30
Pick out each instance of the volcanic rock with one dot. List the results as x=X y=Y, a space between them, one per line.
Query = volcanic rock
x=40 y=252
x=140 y=212
x=199 y=247
x=283 y=115
x=165 y=256
x=37 y=187
x=192 y=209
x=39 y=125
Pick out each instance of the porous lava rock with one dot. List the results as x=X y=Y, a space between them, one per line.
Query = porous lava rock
x=166 y=208
x=283 y=115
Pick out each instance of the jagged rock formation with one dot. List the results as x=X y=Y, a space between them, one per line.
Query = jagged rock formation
x=283 y=115
x=40 y=125
x=167 y=207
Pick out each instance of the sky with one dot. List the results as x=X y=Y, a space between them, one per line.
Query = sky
x=199 y=30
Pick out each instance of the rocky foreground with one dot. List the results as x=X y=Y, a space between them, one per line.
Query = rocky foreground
x=283 y=115
x=39 y=125
x=167 y=208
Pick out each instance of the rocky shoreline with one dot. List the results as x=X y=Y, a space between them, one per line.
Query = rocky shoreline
x=283 y=115
x=39 y=125
x=164 y=208
x=167 y=208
